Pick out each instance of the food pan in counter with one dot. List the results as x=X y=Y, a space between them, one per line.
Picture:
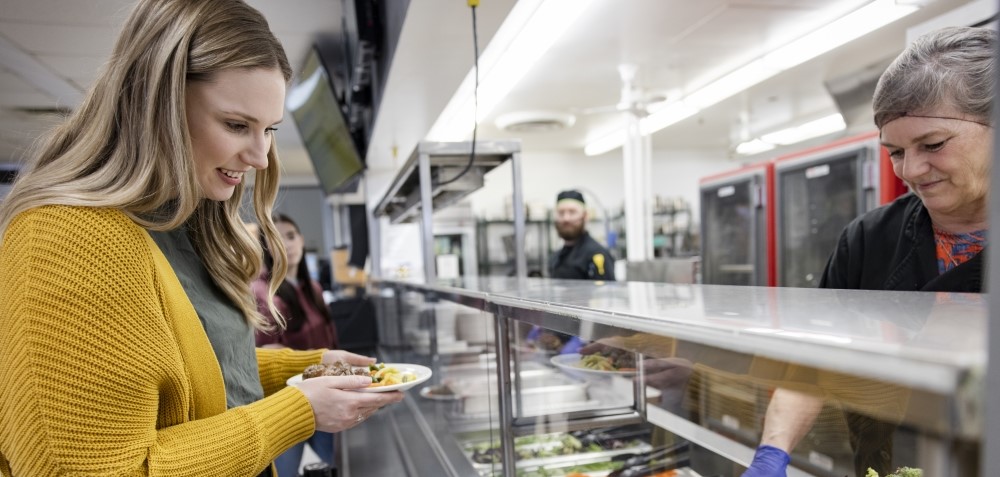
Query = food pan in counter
x=557 y=450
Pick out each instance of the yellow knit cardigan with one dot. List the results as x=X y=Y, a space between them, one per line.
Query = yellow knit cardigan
x=105 y=368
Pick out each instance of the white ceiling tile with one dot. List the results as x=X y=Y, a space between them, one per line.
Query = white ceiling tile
x=13 y=84
x=300 y=16
x=32 y=99
x=76 y=67
x=42 y=39
x=63 y=12
x=296 y=47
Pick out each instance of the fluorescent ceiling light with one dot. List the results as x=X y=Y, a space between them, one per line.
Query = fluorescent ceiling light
x=605 y=143
x=837 y=33
x=722 y=88
x=755 y=146
x=664 y=116
x=820 y=127
x=672 y=113
x=530 y=29
x=850 y=27
x=816 y=128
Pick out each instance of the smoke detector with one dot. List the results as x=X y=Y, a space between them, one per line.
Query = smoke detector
x=535 y=121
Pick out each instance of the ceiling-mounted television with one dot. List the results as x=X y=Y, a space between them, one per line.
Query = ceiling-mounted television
x=335 y=149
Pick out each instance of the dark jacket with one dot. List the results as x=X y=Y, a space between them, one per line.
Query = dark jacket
x=892 y=248
x=584 y=260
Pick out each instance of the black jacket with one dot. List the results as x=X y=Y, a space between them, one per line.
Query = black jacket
x=584 y=260
x=892 y=248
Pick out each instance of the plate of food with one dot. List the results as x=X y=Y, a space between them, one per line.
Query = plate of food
x=385 y=376
x=440 y=392
x=605 y=362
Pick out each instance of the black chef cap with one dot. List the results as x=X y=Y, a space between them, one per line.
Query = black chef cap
x=570 y=195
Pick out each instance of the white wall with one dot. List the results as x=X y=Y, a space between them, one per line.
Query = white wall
x=675 y=173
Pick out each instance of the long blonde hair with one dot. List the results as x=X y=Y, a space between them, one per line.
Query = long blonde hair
x=127 y=146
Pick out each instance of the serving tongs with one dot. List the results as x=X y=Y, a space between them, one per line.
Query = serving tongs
x=604 y=436
x=653 y=469
x=638 y=465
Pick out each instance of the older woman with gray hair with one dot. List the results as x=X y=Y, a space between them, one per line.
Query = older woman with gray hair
x=933 y=108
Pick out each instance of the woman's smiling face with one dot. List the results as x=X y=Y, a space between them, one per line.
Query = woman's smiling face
x=230 y=120
x=945 y=158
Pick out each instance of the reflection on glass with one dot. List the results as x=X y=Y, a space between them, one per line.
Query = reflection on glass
x=816 y=203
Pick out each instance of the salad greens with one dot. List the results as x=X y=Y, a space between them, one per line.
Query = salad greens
x=900 y=472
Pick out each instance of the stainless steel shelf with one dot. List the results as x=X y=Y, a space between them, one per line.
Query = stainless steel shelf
x=435 y=177
x=402 y=201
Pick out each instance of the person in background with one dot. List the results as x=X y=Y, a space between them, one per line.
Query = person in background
x=125 y=356
x=581 y=257
x=933 y=108
x=308 y=326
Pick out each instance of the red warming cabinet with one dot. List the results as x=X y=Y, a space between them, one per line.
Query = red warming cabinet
x=736 y=241
x=775 y=223
x=818 y=192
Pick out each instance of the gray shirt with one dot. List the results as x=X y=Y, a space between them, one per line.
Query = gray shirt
x=231 y=337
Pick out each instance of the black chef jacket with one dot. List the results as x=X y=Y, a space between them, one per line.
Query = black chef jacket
x=585 y=259
x=892 y=248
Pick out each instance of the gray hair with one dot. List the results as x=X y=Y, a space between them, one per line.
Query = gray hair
x=952 y=66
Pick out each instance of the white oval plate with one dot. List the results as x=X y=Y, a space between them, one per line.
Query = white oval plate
x=425 y=392
x=571 y=362
x=423 y=373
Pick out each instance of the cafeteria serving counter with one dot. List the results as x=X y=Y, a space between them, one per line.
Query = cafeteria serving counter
x=537 y=377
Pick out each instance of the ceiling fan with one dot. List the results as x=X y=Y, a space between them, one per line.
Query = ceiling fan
x=633 y=99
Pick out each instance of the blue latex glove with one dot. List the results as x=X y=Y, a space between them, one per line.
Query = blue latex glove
x=768 y=462
x=572 y=346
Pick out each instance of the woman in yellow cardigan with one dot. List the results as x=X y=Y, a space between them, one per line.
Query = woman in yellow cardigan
x=107 y=366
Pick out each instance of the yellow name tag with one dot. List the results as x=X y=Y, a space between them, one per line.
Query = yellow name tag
x=599 y=261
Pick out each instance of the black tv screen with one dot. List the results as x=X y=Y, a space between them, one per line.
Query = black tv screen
x=324 y=127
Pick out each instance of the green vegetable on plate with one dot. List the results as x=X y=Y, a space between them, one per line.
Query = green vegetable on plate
x=900 y=472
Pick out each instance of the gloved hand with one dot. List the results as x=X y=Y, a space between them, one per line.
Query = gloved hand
x=572 y=346
x=768 y=462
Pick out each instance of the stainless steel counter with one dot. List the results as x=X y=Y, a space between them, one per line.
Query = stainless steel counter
x=922 y=354
x=927 y=341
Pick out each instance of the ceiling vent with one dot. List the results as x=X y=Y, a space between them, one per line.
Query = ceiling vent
x=535 y=121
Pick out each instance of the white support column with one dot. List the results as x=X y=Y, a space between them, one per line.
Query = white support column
x=637 y=163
